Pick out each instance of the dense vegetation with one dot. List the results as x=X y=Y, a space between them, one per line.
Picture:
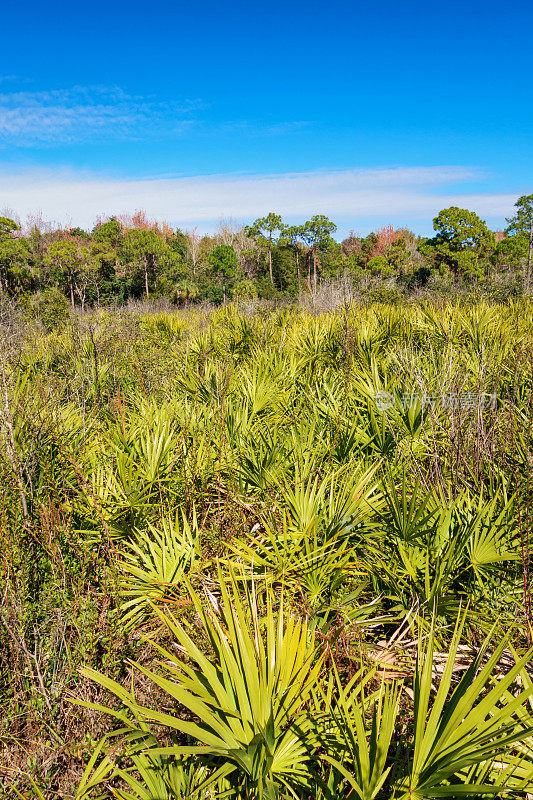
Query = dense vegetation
x=257 y=564
x=126 y=258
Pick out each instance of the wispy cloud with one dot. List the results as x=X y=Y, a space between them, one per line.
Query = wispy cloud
x=13 y=79
x=87 y=113
x=248 y=127
x=353 y=198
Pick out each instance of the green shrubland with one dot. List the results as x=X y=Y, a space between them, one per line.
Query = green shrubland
x=229 y=569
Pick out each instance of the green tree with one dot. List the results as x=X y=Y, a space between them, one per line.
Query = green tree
x=223 y=262
x=179 y=243
x=109 y=233
x=460 y=243
x=65 y=259
x=379 y=265
x=398 y=257
x=103 y=276
x=15 y=256
x=79 y=233
x=267 y=227
x=317 y=231
x=147 y=253
x=93 y=270
x=510 y=253
x=110 y=237
x=7 y=227
x=292 y=235
x=522 y=225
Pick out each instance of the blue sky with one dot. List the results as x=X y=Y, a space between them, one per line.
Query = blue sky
x=370 y=113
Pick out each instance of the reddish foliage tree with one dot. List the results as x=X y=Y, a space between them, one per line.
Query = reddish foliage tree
x=139 y=221
x=386 y=236
x=351 y=245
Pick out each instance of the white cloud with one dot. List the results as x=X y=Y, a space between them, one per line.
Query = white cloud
x=86 y=113
x=353 y=198
x=13 y=78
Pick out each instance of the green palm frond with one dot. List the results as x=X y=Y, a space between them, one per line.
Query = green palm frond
x=154 y=564
x=247 y=698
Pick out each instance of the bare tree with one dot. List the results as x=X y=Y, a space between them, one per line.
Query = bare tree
x=246 y=249
x=193 y=246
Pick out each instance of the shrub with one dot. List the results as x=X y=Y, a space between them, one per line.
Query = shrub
x=51 y=308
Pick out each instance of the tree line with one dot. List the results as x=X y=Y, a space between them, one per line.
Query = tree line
x=132 y=257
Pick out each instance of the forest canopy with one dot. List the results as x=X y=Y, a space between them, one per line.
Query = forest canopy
x=132 y=257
